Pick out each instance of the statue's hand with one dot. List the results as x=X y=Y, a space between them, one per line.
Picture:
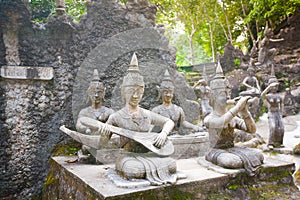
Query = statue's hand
x=88 y=131
x=160 y=139
x=241 y=104
x=104 y=130
x=198 y=129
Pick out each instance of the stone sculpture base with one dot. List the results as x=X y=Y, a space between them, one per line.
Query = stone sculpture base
x=188 y=146
x=83 y=181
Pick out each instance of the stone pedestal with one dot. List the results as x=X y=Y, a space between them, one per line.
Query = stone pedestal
x=188 y=146
x=81 y=181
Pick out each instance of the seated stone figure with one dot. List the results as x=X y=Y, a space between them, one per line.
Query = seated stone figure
x=96 y=93
x=251 y=83
x=96 y=111
x=170 y=110
x=221 y=124
x=139 y=163
x=253 y=90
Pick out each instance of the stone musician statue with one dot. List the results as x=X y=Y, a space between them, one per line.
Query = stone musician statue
x=221 y=124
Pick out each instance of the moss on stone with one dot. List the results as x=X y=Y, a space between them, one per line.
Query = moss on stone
x=297 y=175
x=66 y=148
x=296 y=149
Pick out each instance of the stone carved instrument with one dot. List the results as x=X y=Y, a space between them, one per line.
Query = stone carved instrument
x=144 y=138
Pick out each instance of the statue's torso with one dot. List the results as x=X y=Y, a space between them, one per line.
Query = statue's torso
x=124 y=120
x=274 y=101
x=173 y=112
x=100 y=114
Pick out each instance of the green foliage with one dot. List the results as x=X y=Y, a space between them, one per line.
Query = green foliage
x=237 y=62
x=66 y=148
x=233 y=187
x=75 y=8
x=41 y=9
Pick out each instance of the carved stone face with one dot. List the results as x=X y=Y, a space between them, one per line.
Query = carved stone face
x=133 y=95
x=220 y=96
x=167 y=95
x=274 y=89
x=96 y=96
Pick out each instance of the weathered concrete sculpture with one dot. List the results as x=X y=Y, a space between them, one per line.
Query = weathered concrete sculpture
x=205 y=93
x=170 y=110
x=265 y=54
x=96 y=93
x=253 y=90
x=251 y=83
x=146 y=153
x=221 y=124
x=141 y=164
x=275 y=108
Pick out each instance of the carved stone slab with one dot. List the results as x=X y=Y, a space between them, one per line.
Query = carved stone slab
x=26 y=72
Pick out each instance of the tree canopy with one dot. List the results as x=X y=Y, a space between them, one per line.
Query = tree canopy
x=200 y=28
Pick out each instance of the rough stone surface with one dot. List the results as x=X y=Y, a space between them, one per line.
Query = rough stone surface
x=31 y=112
x=72 y=180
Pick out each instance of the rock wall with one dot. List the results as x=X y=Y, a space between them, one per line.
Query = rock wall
x=31 y=111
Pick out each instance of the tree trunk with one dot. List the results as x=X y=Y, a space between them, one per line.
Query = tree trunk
x=191 y=46
x=212 y=42
x=247 y=24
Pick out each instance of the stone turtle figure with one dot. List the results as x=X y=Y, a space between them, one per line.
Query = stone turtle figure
x=172 y=111
x=275 y=107
x=221 y=124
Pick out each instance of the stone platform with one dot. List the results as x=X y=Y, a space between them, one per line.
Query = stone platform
x=82 y=181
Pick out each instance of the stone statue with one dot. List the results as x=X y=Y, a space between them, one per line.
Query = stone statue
x=275 y=107
x=96 y=93
x=251 y=83
x=170 y=110
x=140 y=163
x=221 y=124
x=146 y=153
x=265 y=54
x=253 y=90
x=205 y=93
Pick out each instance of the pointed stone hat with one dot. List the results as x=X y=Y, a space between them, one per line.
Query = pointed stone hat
x=272 y=78
x=167 y=82
x=133 y=77
x=95 y=84
x=219 y=81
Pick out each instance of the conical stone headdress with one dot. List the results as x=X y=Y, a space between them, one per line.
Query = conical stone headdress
x=133 y=76
x=219 y=81
x=95 y=84
x=272 y=78
x=167 y=82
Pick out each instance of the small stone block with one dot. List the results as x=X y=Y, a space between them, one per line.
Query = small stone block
x=27 y=72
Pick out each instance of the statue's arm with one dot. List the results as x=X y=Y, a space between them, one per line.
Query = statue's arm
x=281 y=105
x=79 y=126
x=164 y=122
x=257 y=84
x=187 y=124
x=245 y=83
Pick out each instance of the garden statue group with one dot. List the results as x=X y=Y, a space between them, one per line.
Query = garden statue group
x=146 y=149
